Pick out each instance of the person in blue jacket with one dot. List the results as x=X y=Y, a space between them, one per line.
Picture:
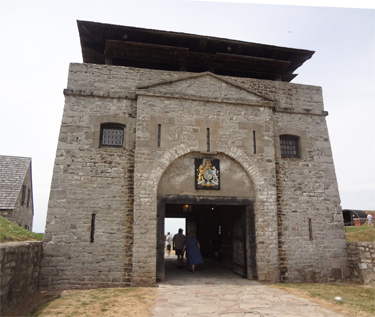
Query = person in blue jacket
x=193 y=252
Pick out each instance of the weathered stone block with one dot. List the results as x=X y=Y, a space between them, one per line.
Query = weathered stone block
x=336 y=273
x=19 y=272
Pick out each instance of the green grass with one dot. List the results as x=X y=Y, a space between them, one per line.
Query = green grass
x=9 y=231
x=363 y=233
x=355 y=298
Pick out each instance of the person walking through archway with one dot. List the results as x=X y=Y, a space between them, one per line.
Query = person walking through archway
x=168 y=239
x=178 y=244
x=193 y=252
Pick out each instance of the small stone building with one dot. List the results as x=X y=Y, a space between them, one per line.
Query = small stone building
x=16 y=190
x=159 y=124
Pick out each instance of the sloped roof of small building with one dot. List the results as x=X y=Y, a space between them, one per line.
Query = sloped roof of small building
x=155 y=49
x=12 y=174
x=356 y=213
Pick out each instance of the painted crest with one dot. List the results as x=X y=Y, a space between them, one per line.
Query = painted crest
x=207 y=173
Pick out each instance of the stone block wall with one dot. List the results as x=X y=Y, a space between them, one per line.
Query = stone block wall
x=361 y=257
x=312 y=225
x=119 y=185
x=90 y=184
x=20 y=266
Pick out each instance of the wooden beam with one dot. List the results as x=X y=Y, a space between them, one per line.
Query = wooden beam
x=135 y=51
x=92 y=56
x=147 y=52
x=257 y=64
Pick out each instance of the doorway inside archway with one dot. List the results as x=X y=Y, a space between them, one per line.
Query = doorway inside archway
x=224 y=226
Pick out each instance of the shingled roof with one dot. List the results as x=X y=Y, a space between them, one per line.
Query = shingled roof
x=12 y=174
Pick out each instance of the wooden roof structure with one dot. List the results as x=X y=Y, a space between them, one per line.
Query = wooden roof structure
x=146 y=48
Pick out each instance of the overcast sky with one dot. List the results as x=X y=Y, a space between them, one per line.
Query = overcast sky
x=40 y=39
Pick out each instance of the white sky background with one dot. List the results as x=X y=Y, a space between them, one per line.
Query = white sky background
x=40 y=39
x=173 y=224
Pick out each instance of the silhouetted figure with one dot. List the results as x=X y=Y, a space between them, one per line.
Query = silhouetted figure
x=193 y=252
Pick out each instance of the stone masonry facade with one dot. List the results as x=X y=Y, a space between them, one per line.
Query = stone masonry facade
x=298 y=219
x=20 y=267
x=361 y=257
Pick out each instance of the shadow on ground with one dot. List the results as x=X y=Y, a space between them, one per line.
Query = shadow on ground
x=210 y=272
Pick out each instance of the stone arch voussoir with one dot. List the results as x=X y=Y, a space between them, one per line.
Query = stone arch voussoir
x=246 y=162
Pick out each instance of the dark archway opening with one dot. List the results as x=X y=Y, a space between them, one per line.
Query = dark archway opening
x=224 y=226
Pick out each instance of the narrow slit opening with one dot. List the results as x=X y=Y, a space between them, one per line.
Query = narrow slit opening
x=92 y=232
x=208 y=139
x=254 y=143
x=159 y=135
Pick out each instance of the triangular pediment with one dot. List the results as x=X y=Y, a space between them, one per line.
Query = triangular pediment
x=204 y=86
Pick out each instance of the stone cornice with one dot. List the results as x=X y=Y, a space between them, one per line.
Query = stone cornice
x=100 y=94
x=141 y=92
x=305 y=111
x=205 y=99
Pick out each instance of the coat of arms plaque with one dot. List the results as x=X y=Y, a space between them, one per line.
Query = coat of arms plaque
x=207 y=173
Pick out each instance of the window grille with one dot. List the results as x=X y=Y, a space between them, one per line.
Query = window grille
x=112 y=135
x=289 y=146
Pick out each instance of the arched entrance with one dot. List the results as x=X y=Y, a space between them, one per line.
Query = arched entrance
x=222 y=220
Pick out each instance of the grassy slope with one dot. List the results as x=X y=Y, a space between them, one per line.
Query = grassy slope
x=12 y=232
x=363 y=233
x=9 y=231
x=355 y=300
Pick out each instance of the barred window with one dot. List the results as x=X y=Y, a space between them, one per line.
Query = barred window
x=289 y=146
x=112 y=135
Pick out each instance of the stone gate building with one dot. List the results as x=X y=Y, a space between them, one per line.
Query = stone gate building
x=159 y=124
